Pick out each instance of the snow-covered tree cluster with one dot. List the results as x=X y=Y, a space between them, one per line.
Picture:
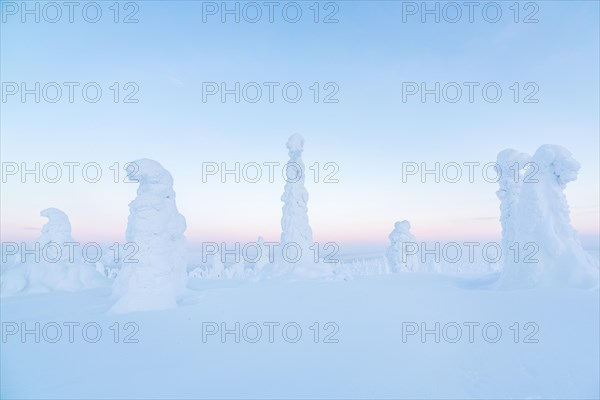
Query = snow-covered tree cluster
x=535 y=218
x=533 y=207
x=53 y=262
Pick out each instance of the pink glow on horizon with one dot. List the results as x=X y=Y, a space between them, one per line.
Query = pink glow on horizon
x=373 y=233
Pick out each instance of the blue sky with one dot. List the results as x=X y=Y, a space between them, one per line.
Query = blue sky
x=369 y=133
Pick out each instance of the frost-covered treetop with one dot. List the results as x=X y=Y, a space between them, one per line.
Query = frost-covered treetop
x=558 y=161
x=149 y=172
x=295 y=143
x=508 y=157
x=153 y=214
x=56 y=217
x=57 y=229
x=403 y=226
x=58 y=223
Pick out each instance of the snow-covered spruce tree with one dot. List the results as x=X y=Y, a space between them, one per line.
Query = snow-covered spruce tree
x=58 y=227
x=550 y=253
x=511 y=164
x=217 y=268
x=58 y=231
x=156 y=228
x=400 y=238
x=296 y=232
x=236 y=270
x=264 y=257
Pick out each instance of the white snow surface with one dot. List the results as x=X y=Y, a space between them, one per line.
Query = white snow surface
x=369 y=360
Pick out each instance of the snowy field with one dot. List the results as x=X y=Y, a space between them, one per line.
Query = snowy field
x=556 y=356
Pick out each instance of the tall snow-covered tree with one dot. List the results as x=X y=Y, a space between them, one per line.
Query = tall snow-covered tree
x=511 y=164
x=296 y=231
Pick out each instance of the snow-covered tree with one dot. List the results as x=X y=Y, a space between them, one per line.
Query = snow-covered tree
x=396 y=256
x=58 y=227
x=296 y=231
x=511 y=165
x=217 y=268
x=236 y=270
x=549 y=250
x=156 y=228
x=58 y=232
x=58 y=266
x=263 y=259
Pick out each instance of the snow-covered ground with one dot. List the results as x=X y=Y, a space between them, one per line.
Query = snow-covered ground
x=360 y=352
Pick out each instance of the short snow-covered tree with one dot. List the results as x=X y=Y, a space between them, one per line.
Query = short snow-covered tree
x=397 y=255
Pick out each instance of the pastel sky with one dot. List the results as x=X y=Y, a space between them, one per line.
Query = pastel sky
x=369 y=133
